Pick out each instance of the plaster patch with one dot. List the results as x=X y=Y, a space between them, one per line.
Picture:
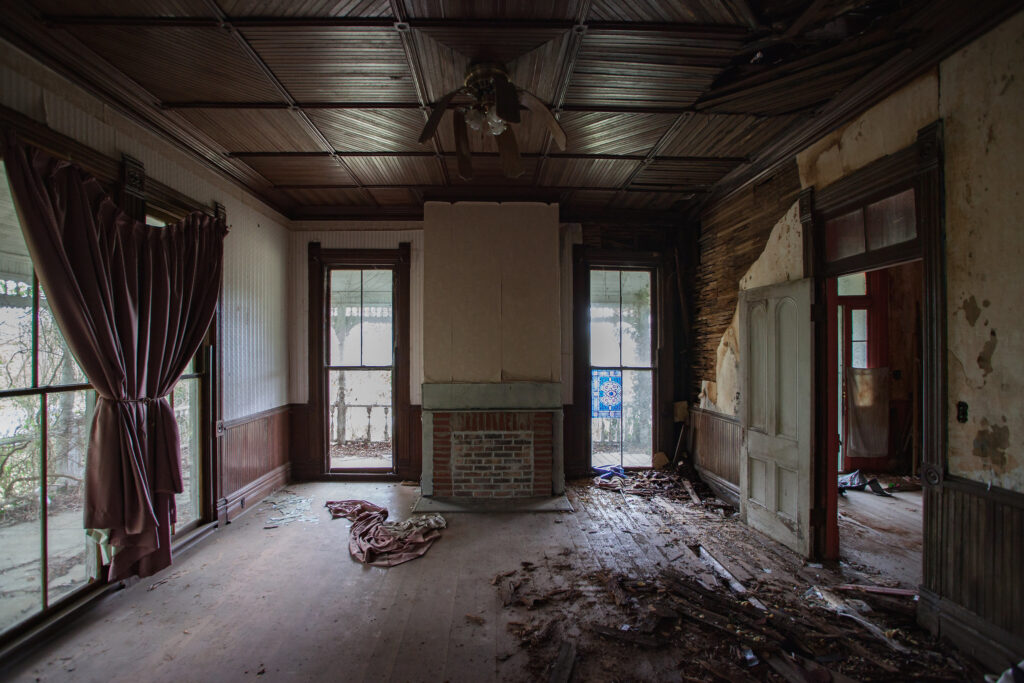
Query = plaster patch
x=971 y=310
x=991 y=443
x=985 y=357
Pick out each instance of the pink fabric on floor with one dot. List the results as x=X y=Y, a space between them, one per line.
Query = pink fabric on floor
x=370 y=542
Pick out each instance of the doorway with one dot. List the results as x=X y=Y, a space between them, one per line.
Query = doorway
x=622 y=371
x=875 y=417
x=359 y=410
x=360 y=368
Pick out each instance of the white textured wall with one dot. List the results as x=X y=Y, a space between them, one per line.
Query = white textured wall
x=350 y=235
x=255 y=300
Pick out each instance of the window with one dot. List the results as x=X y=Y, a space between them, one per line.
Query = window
x=621 y=368
x=360 y=368
x=46 y=409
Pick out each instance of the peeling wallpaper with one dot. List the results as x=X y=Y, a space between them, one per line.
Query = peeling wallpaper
x=255 y=304
x=781 y=261
x=982 y=97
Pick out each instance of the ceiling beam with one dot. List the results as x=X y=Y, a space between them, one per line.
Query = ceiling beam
x=582 y=108
x=567 y=214
x=418 y=79
x=468 y=189
x=302 y=116
x=525 y=155
x=702 y=32
x=960 y=23
x=567 y=67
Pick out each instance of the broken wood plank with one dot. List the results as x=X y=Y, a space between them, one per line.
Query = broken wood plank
x=631 y=637
x=693 y=494
x=737 y=587
x=907 y=592
x=561 y=671
x=839 y=606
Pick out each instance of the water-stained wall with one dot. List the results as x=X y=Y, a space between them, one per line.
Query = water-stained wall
x=982 y=97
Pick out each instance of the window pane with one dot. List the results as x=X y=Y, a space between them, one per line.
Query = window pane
x=185 y=401
x=859 y=324
x=605 y=321
x=605 y=441
x=15 y=297
x=20 y=524
x=844 y=236
x=69 y=418
x=891 y=221
x=859 y=351
x=156 y=222
x=345 y=309
x=637 y=418
x=361 y=408
x=636 y=319
x=852 y=285
x=56 y=364
x=378 y=342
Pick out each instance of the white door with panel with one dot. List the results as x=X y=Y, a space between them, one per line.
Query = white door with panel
x=776 y=390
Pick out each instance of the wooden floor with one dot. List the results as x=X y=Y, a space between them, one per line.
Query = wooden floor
x=290 y=604
x=886 y=534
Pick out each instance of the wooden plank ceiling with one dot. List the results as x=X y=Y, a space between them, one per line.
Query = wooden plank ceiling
x=316 y=105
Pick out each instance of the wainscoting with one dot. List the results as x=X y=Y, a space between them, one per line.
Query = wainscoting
x=973 y=590
x=254 y=460
x=714 y=442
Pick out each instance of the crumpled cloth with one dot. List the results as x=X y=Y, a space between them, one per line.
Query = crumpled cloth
x=374 y=542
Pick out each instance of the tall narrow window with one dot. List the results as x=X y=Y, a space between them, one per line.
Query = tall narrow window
x=621 y=368
x=46 y=409
x=360 y=368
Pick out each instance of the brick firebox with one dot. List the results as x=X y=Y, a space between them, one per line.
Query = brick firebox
x=494 y=454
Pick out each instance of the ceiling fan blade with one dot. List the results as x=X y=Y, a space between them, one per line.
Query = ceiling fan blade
x=508 y=150
x=435 y=116
x=462 y=153
x=505 y=100
x=535 y=105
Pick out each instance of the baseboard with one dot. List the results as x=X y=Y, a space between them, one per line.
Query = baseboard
x=724 y=489
x=990 y=645
x=252 y=493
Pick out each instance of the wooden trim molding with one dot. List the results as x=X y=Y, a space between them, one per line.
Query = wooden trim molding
x=252 y=493
x=262 y=415
x=312 y=461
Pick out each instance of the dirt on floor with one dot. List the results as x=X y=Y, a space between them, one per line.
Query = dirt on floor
x=672 y=586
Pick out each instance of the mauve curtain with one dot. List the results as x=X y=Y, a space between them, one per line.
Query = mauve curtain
x=134 y=303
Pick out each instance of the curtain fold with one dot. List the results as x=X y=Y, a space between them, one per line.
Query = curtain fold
x=133 y=303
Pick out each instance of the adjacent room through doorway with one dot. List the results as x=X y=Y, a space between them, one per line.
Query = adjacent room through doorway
x=875 y=397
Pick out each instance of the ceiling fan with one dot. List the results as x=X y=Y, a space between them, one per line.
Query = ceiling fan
x=494 y=107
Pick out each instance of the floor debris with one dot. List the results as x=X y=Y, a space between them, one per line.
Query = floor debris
x=709 y=600
x=373 y=541
x=289 y=507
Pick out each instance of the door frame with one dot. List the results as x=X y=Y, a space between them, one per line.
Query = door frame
x=917 y=167
x=577 y=446
x=321 y=261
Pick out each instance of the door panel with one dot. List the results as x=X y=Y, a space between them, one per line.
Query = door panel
x=775 y=411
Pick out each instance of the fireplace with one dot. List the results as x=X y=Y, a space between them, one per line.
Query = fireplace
x=490 y=441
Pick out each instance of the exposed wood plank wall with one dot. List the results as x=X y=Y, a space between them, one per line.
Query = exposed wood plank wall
x=978 y=563
x=254 y=459
x=715 y=444
x=734 y=232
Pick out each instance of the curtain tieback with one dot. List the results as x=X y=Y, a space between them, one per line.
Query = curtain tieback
x=145 y=400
